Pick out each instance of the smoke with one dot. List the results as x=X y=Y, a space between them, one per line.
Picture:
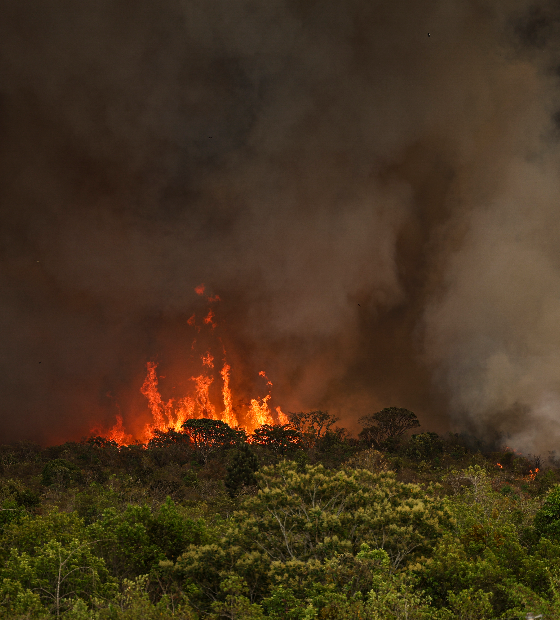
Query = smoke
x=376 y=207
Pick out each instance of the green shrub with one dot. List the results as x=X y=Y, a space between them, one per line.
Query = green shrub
x=547 y=519
x=60 y=472
x=424 y=447
x=241 y=472
x=309 y=527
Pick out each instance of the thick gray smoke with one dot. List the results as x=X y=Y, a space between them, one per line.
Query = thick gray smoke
x=370 y=187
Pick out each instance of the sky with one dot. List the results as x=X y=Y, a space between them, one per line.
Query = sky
x=370 y=187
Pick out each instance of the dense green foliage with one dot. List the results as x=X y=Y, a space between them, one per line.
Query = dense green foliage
x=241 y=472
x=295 y=522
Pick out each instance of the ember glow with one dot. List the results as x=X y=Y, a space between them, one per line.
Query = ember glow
x=201 y=401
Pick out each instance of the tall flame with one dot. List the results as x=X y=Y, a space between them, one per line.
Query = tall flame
x=160 y=410
x=282 y=417
x=202 y=387
x=228 y=416
x=201 y=403
x=259 y=411
x=118 y=434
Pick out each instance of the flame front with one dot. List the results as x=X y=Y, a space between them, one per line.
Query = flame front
x=118 y=434
x=228 y=416
x=173 y=413
x=260 y=411
x=282 y=417
x=165 y=414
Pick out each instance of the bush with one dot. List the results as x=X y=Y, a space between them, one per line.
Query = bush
x=60 y=473
x=302 y=521
x=547 y=519
x=424 y=447
x=135 y=540
x=241 y=472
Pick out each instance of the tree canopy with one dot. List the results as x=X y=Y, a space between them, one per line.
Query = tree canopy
x=208 y=435
x=386 y=425
x=281 y=438
x=312 y=425
x=207 y=523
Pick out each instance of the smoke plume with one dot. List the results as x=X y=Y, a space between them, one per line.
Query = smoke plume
x=370 y=187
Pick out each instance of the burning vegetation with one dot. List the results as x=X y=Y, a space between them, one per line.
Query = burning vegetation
x=312 y=520
x=206 y=400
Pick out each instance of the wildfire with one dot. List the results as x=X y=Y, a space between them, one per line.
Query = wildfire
x=262 y=374
x=118 y=434
x=532 y=473
x=209 y=318
x=282 y=417
x=260 y=411
x=228 y=415
x=201 y=401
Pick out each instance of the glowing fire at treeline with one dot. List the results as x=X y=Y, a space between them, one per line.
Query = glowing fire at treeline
x=173 y=413
x=532 y=473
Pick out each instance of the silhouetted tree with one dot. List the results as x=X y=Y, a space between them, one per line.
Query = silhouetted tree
x=100 y=442
x=208 y=435
x=169 y=437
x=386 y=426
x=281 y=438
x=312 y=425
x=335 y=446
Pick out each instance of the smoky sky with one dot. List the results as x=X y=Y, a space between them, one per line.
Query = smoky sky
x=376 y=207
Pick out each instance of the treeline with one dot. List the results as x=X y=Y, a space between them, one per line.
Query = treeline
x=299 y=521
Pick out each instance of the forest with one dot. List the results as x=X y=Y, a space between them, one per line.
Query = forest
x=290 y=522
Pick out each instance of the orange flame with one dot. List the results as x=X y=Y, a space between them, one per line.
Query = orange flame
x=160 y=410
x=173 y=413
x=282 y=417
x=118 y=434
x=499 y=465
x=184 y=411
x=260 y=412
x=209 y=318
x=202 y=386
x=228 y=415
x=262 y=373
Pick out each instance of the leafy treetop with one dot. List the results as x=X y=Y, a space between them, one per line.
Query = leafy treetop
x=385 y=425
x=312 y=425
x=208 y=435
x=280 y=437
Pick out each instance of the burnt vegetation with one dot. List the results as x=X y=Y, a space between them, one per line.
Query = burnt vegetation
x=301 y=520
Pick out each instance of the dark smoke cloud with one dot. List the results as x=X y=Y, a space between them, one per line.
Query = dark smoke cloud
x=375 y=206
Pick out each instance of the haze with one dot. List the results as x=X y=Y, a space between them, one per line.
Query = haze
x=376 y=207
